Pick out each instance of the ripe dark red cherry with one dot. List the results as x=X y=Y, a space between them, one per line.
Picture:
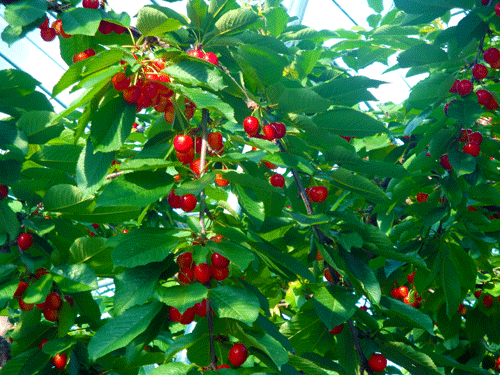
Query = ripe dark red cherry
x=403 y=291
x=51 y=315
x=422 y=197
x=472 y=148
x=174 y=200
x=411 y=277
x=220 y=181
x=222 y=366
x=220 y=274
x=186 y=276
x=497 y=9
x=492 y=104
x=238 y=354
x=187 y=316
x=185 y=260
x=174 y=315
x=251 y=125
x=183 y=143
x=395 y=293
x=53 y=301
x=219 y=261
x=59 y=361
x=91 y=4
x=445 y=163
x=483 y=97
x=196 y=53
x=479 y=71
x=132 y=94
x=121 y=82
x=277 y=180
x=21 y=288
x=279 y=129
x=377 y=362
x=4 y=191
x=48 y=34
x=25 y=306
x=491 y=55
x=105 y=27
x=454 y=87
x=200 y=308
x=318 y=194
x=42 y=343
x=488 y=300
x=185 y=157
x=211 y=58
x=70 y=300
x=215 y=141
x=269 y=132
x=464 y=87
x=188 y=202
x=476 y=137
x=202 y=273
x=337 y=329
x=24 y=241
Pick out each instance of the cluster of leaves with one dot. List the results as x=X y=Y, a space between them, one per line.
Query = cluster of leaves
x=61 y=177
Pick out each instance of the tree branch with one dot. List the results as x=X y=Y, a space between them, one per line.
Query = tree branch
x=204 y=146
x=213 y=357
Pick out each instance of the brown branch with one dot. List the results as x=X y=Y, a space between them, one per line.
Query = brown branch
x=204 y=146
x=213 y=357
x=113 y=175
x=362 y=358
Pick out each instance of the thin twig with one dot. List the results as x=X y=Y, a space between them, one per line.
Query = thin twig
x=113 y=175
x=213 y=357
x=204 y=146
x=362 y=358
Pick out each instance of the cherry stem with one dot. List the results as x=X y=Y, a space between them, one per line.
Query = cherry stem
x=204 y=146
x=363 y=360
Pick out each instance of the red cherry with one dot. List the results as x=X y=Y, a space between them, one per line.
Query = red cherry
x=21 y=288
x=222 y=366
x=364 y=308
x=121 y=82
x=200 y=308
x=57 y=25
x=59 y=361
x=472 y=148
x=79 y=56
x=51 y=315
x=477 y=293
x=337 y=329
x=90 y=52
x=174 y=315
x=269 y=132
x=270 y=165
x=411 y=277
x=215 y=141
x=188 y=202
x=48 y=34
x=318 y=194
x=91 y=4
x=132 y=94
x=464 y=87
x=4 y=191
x=395 y=293
x=218 y=238
x=476 y=137
x=70 y=300
x=202 y=273
x=186 y=276
x=219 y=261
x=118 y=29
x=251 y=125
x=40 y=272
x=211 y=58
x=377 y=362
x=483 y=97
x=185 y=260
x=238 y=354
x=150 y=89
x=472 y=208
x=277 y=180
x=454 y=88
x=422 y=197
x=187 y=316
x=485 y=2
x=183 y=143
x=42 y=343
x=445 y=163
x=53 y=301
x=198 y=53
x=492 y=104
x=174 y=200
x=279 y=129
x=25 y=306
x=44 y=24
x=497 y=9
x=105 y=27
x=24 y=241
x=403 y=291
x=479 y=71
x=488 y=300
x=491 y=55
x=220 y=181
x=220 y=274
x=185 y=157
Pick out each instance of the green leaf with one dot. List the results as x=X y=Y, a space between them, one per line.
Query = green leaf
x=263 y=62
x=334 y=305
x=269 y=346
x=24 y=12
x=64 y=198
x=92 y=169
x=141 y=248
x=122 y=329
x=253 y=206
x=172 y=368
x=308 y=220
x=465 y=266
x=357 y=184
x=364 y=276
x=196 y=12
x=183 y=297
x=111 y=124
x=348 y=91
x=349 y=122
x=8 y=221
x=421 y=54
x=29 y=362
x=485 y=193
x=115 y=214
x=38 y=290
x=36 y=126
x=75 y=278
x=247 y=180
x=81 y=21
x=91 y=250
x=408 y=314
x=291 y=161
x=237 y=254
x=376 y=5
x=235 y=303
x=235 y=21
x=302 y=100
x=196 y=72
x=136 y=189
x=135 y=286
x=408 y=357
x=156 y=21
x=450 y=281
x=196 y=186
x=12 y=138
x=62 y=157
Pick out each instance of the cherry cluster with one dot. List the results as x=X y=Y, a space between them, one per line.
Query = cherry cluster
x=207 y=56
x=203 y=272
x=48 y=34
x=50 y=306
x=487 y=298
x=59 y=361
x=186 y=202
x=83 y=55
x=272 y=131
x=409 y=297
x=187 y=316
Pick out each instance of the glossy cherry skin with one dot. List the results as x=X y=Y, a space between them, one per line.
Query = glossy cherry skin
x=251 y=125
x=472 y=148
x=238 y=354
x=183 y=143
x=277 y=180
x=59 y=361
x=318 y=194
x=219 y=261
x=185 y=260
x=377 y=362
x=203 y=273
x=337 y=329
x=445 y=163
x=188 y=202
x=24 y=241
